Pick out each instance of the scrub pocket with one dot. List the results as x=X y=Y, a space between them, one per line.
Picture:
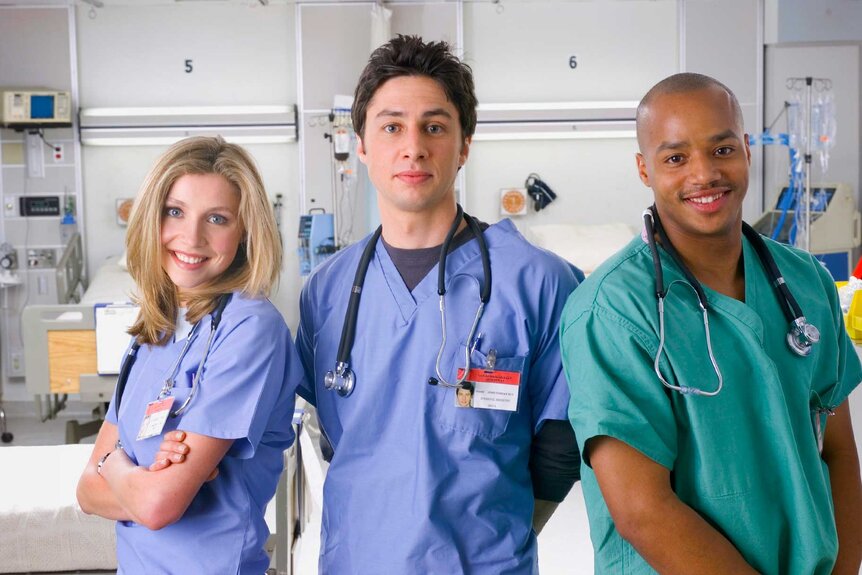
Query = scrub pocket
x=486 y=423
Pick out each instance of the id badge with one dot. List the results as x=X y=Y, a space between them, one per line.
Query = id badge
x=492 y=389
x=155 y=417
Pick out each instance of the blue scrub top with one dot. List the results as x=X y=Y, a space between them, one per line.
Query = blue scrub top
x=416 y=484
x=747 y=459
x=247 y=394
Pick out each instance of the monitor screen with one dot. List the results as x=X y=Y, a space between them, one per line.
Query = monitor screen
x=41 y=107
x=820 y=198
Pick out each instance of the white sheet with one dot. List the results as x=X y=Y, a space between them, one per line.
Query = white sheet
x=42 y=527
x=585 y=246
x=110 y=284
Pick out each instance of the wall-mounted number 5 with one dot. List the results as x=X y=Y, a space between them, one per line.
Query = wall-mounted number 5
x=573 y=62
x=189 y=67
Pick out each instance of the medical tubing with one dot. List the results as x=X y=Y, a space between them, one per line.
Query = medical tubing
x=790 y=306
x=126 y=368
x=197 y=378
x=656 y=260
x=486 y=260
x=440 y=378
x=444 y=249
x=711 y=358
x=668 y=246
x=349 y=331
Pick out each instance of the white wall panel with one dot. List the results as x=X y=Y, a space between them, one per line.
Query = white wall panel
x=520 y=51
x=596 y=181
x=135 y=55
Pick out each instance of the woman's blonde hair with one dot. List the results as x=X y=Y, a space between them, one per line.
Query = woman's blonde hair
x=258 y=260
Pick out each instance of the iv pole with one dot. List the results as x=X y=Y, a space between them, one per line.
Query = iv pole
x=794 y=84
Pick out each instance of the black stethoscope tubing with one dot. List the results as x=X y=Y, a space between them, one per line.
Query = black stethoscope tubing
x=802 y=335
x=789 y=305
x=348 y=331
x=132 y=354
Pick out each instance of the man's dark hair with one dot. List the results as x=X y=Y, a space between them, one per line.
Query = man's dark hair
x=410 y=56
x=468 y=385
x=683 y=83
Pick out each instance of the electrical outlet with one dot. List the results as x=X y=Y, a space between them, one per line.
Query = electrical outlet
x=16 y=364
x=59 y=153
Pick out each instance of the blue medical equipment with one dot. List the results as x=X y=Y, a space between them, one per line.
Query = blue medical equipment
x=316 y=241
x=800 y=338
x=343 y=379
x=131 y=355
x=835 y=224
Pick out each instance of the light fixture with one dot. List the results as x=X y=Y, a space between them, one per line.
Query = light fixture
x=138 y=126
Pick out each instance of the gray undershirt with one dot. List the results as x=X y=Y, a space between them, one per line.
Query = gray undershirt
x=414 y=265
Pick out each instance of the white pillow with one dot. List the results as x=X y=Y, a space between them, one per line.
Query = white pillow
x=586 y=246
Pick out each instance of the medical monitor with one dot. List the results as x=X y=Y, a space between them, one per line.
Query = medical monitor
x=35 y=108
x=820 y=199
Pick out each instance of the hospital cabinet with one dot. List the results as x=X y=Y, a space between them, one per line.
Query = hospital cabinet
x=835 y=225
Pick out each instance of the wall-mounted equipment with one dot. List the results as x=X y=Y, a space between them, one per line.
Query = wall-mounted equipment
x=834 y=226
x=513 y=202
x=8 y=257
x=39 y=206
x=22 y=109
x=316 y=241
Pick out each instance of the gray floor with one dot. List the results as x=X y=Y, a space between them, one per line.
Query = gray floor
x=26 y=429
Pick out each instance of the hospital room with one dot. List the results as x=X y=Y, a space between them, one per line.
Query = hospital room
x=351 y=461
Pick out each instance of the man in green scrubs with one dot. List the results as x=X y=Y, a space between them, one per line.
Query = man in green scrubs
x=693 y=483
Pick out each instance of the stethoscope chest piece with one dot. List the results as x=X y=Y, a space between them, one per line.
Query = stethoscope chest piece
x=341 y=380
x=802 y=336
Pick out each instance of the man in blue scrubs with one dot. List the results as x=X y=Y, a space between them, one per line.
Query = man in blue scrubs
x=739 y=476
x=418 y=483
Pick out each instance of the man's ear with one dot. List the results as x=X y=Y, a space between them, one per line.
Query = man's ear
x=360 y=149
x=642 y=170
x=465 y=151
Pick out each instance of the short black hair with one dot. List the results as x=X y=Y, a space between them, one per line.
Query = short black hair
x=468 y=385
x=411 y=56
x=682 y=83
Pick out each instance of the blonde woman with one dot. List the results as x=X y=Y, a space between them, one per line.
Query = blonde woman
x=211 y=363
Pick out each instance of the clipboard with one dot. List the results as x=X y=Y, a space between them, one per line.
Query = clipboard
x=112 y=338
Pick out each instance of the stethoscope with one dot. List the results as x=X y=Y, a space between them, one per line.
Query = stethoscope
x=131 y=356
x=343 y=379
x=800 y=337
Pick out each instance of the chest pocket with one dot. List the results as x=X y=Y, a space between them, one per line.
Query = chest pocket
x=486 y=423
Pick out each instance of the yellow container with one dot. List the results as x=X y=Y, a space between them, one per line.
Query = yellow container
x=853 y=318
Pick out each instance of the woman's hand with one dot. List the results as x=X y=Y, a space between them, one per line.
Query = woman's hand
x=173 y=451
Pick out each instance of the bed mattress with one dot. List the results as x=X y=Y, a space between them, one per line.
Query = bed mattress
x=42 y=526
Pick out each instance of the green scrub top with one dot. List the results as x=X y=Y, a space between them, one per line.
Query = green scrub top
x=747 y=459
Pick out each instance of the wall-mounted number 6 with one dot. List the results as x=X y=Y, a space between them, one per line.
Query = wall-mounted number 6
x=189 y=67
x=573 y=62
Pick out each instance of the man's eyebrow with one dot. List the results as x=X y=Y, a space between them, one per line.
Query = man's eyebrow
x=428 y=114
x=720 y=137
x=725 y=135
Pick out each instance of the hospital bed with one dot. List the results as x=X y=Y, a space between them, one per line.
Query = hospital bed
x=44 y=529
x=584 y=245
x=60 y=344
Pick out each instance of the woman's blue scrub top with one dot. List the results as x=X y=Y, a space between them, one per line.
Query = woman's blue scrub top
x=247 y=394
x=416 y=484
x=747 y=459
